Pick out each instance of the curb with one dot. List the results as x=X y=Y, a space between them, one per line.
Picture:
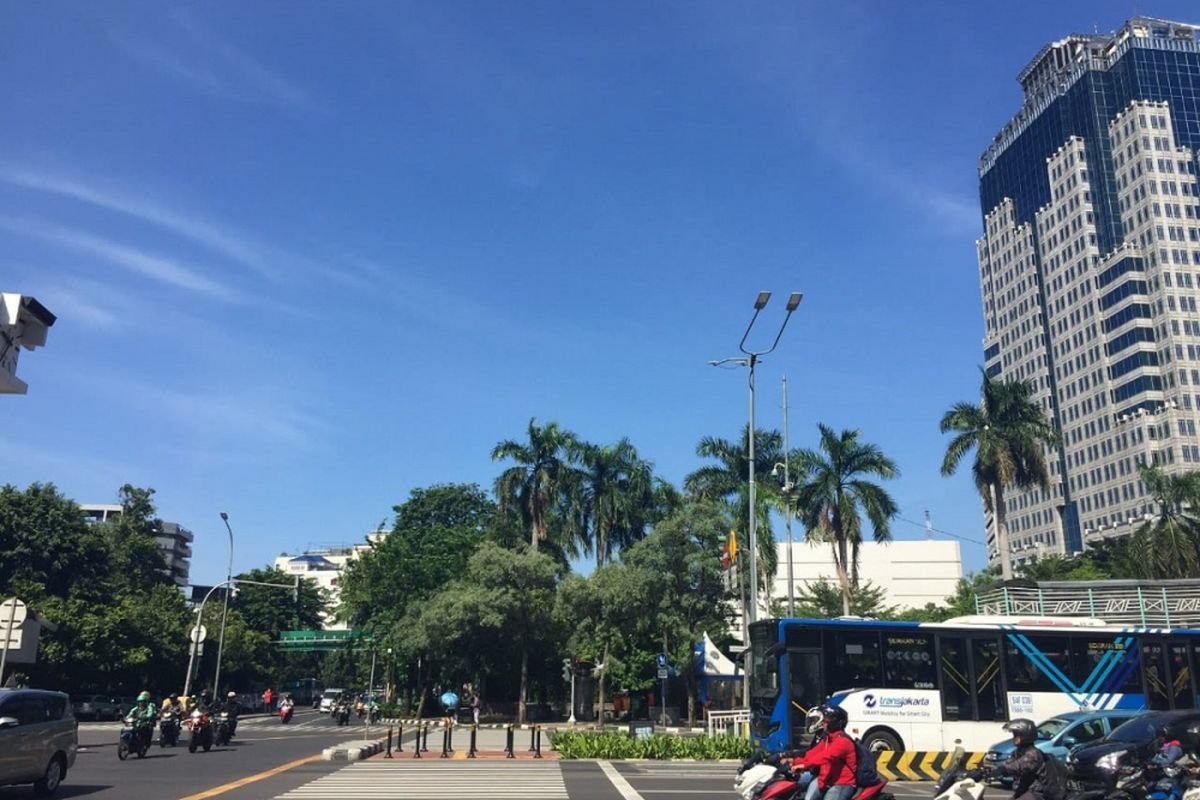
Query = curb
x=352 y=751
x=440 y=722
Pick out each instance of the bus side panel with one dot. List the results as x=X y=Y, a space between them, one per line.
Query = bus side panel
x=914 y=714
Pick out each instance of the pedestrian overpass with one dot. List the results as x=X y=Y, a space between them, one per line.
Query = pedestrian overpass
x=324 y=641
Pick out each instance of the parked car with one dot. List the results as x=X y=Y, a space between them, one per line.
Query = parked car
x=1095 y=766
x=1058 y=735
x=328 y=697
x=39 y=738
x=98 y=707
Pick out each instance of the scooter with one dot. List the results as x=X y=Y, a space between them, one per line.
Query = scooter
x=224 y=729
x=133 y=739
x=773 y=778
x=168 y=726
x=285 y=714
x=955 y=783
x=342 y=713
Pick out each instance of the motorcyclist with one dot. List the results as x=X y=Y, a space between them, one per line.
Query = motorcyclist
x=1170 y=750
x=144 y=716
x=231 y=706
x=1025 y=763
x=834 y=757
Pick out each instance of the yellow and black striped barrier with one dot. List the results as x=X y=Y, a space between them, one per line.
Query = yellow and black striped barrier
x=918 y=765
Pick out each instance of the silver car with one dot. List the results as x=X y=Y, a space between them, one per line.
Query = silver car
x=39 y=738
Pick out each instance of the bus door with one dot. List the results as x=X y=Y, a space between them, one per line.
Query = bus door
x=969 y=669
x=1167 y=674
x=804 y=689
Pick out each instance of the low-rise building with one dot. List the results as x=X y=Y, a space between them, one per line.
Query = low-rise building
x=911 y=573
x=324 y=566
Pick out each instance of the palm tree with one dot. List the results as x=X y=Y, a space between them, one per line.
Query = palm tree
x=834 y=494
x=616 y=497
x=542 y=475
x=1009 y=432
x=1168 y=546
x=729 y=481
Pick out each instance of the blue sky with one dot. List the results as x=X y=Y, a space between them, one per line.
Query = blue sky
x=307 y=257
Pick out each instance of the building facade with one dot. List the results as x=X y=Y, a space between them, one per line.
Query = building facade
x=911 y=573
x=324 y=568
x=1089 y=267
x=173 y=540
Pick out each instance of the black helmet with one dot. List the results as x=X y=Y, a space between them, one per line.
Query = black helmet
x=829 y=718
x=1023 y=730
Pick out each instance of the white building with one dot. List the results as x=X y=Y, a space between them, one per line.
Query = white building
x=910 y=572
x=324 y=568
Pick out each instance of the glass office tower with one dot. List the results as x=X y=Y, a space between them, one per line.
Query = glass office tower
x=1089 y=267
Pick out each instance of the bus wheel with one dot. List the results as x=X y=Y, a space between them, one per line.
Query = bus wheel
x=879 y=740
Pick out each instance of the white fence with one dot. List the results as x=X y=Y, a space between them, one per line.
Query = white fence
x=725 y=723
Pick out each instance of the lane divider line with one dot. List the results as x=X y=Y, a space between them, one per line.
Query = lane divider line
x=618 y=781
x=261 y=776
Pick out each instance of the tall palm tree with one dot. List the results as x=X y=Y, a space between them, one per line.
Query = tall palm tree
x=834 y=494
x=1168 y=546
x=729 y=481
x=542 y=475
x=1009 y=432
x=616 y=497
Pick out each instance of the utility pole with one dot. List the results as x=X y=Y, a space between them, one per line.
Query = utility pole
x=787 y=496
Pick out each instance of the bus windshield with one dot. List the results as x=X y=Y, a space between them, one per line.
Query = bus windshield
x=764 y=663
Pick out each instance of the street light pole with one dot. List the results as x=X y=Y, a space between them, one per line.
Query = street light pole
x=751 y=360
x=787 y=496
x=225 y=612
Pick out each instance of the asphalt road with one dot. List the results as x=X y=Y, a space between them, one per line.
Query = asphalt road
x=270 y=761
x=261 y=744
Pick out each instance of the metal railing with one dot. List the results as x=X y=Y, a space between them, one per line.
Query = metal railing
x=729 y=723
x=1147 y=604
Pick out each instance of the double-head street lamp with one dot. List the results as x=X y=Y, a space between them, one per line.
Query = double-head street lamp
x=225 y=612
x=750 y=360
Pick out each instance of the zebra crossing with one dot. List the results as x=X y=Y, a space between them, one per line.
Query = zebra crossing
x=436 y=781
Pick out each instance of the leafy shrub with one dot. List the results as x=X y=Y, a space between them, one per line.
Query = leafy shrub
x=615 y=745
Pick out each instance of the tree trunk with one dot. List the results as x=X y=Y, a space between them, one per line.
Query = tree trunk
x=600 y=693
x=1006 y=571
x=843 y=578
x=524 y=682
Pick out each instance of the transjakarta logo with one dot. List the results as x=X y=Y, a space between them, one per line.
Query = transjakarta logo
x=869 y=700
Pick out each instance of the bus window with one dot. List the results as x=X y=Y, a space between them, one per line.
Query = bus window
x=958 y=701
x=1181 y=676
x=1086 y=655
x=1024 y=674
x=908 y=661
x=985 y=661
x=1154 y=672
x=853 y=656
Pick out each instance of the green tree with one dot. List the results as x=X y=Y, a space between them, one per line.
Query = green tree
x=728 y=480
x=270 y=609
x=49 y=550
x=135 y=560
x=616 y=497
x=1168 y=546
x=683 y=556
x=435 y=532
x=1063 y=568
x=822 y=599
x=834 y=494
x=540 y=483
x=1008 y=431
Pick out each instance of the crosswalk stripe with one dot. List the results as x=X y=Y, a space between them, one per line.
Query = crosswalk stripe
x=371 y=780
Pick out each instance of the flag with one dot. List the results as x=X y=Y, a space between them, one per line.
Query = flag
x=733 y=546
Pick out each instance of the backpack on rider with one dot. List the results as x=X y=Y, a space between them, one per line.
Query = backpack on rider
x=865 y=773
x=1053 y=778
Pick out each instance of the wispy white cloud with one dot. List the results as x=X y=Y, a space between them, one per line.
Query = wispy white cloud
x=234 y=246
x=149 y=265
x=212 y=65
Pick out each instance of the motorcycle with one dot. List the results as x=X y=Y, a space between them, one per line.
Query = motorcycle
x=168 y=726
x=224 y=729
x=373 y=714
x=134 y=738
x=285 y=714
x=342 y=714
x=773 y=778
x=200 y=724
x=956 y=783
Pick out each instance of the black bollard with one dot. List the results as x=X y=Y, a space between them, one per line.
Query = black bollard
x=417 y=743
x=508 y=743
x=537 y=753
x=388 y=754
x=425 y=739
x=400 y=738
x=446 y=742
x=471 y=752
x=532 y=733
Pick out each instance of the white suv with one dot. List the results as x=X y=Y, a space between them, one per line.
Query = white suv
x=328 y=698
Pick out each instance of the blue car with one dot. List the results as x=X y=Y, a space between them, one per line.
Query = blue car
x=1058 y=735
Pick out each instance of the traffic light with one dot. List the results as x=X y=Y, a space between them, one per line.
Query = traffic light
x=567 y=670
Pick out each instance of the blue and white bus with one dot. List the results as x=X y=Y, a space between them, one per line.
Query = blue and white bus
x=932 y=686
